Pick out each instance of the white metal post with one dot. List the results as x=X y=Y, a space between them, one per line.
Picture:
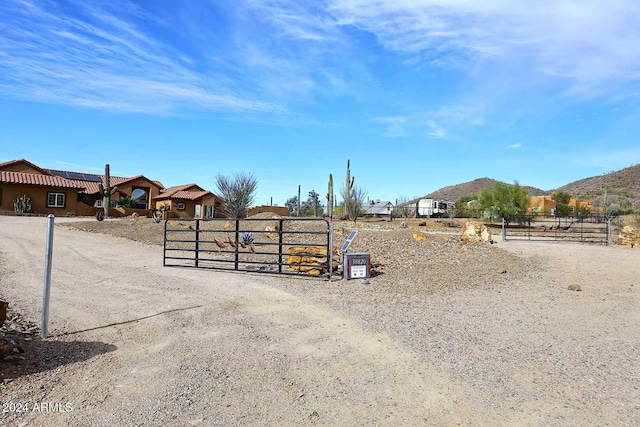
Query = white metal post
x=47 y=276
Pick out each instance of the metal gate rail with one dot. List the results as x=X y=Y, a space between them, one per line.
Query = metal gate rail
x=589 y=229
x=217 y=243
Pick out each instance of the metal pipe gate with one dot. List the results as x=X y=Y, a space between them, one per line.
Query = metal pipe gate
x=294 y=246
x=585 y=229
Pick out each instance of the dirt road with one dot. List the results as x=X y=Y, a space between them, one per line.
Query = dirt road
x=133 y=343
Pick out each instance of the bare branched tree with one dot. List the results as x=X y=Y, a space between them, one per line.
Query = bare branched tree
x=404 y=208
x=238 y=193
x=353 y=204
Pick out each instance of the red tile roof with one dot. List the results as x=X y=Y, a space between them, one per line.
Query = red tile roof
x=190 y=195
x=91 y=187
x=171 y=190
x=180 y=192
x=63 y=178
x=33 y=179
x=14 y=162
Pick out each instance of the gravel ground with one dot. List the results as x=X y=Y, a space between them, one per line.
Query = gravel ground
x=444 y=333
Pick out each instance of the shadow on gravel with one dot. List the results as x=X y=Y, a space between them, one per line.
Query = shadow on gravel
x=128 y=321
x=45 y=355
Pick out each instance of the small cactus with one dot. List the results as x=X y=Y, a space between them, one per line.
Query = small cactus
x=22 y=204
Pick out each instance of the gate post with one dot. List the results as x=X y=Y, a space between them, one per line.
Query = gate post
x=280 y=230
x=504 y=231
x=330 y=266
x=197 y=242
x=236 y=259
x=164 y=245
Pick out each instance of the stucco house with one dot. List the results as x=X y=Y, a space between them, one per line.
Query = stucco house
x=545 y=205
x=189 y=201
x=47 y=193
x=140 y=188
x=76 y=193
x=71 y=193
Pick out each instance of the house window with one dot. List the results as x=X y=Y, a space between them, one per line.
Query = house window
x=180 y=206
x=55 y=200
x=140 y=198
x=112 y=203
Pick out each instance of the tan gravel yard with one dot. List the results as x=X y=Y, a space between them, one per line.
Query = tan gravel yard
x=442 y=335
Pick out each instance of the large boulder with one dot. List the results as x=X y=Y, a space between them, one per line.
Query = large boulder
x=629 y=236
x=476 y=232
x=419 y=237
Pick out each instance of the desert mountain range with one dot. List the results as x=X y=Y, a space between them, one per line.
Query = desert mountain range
x=621 y=187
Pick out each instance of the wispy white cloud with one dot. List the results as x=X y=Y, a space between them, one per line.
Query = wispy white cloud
x=394 y=126
x=609 y=160
x=433 y=124
x=435 y=130
x=93 y=58
x=266 y=56
x=590 y=45
x=514 y=146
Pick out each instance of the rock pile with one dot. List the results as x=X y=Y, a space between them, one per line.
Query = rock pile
x=476 y=232
x=629 y=236
x=311 y=259
x=15 y=335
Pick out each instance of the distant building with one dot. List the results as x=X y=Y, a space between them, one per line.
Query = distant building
x=434 y=207
x=378 y=208
x=278 y=210
x=545 y=205
x=189 y=201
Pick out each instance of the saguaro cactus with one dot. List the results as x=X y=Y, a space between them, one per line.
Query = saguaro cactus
x=330 y=198
x=299 y=204
x=22 y=204
x=106 y=191
x=348 y=186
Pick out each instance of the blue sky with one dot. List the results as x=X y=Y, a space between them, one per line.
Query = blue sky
x=417 y=94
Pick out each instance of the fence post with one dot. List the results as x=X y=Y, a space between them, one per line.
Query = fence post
x=236 y=264
x=197 y=242
x=330 y=266
x=47 y=277
x=280 y=230
x=609 y=231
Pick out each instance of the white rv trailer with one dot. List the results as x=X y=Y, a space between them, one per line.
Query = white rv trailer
x=434 y=207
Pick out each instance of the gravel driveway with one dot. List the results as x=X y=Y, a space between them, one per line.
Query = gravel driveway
x=133 y=343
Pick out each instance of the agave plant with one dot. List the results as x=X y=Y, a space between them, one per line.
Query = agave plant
x=247 y=238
